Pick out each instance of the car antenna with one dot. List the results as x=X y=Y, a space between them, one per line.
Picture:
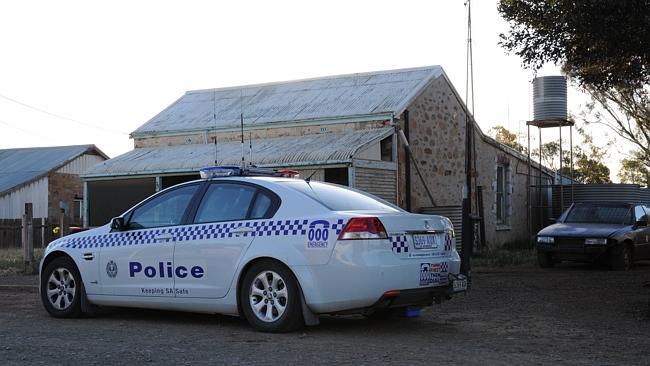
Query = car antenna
x=241 y=123
x=250 y=147
x=214 y=118
x=308 y=179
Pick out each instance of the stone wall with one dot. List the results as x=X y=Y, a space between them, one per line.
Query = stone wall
x=437 y=139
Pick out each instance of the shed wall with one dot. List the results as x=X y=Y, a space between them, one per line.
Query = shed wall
x=12 y=205
x=380 y=182
x=80 y=164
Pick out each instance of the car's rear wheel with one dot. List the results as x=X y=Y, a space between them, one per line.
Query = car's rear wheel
x=545 y=259
x=621 y=258
x=62 y=288
x=270 y=298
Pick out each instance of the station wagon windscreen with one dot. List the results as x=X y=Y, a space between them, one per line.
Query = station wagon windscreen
x=338 y=198
x=604 y=214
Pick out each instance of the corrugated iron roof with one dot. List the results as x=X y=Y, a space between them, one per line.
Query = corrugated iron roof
x=21 y=166
x=282 y=151
x=340 y=96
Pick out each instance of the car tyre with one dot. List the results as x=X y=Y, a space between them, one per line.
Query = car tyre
x=545 y=259
x=61 y=288
x=621 y=258
x=270 y=298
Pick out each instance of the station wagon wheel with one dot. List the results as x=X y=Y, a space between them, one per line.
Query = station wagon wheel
x=61 y=288
x=622 y=259
x=270 y=298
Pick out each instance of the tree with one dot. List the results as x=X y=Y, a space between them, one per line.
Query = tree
x=508 y=138
x=602 y=45
x=634 y=171
x=599 y=43
x=588 y=159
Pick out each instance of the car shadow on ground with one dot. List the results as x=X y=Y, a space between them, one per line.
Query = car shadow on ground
x=328 y=323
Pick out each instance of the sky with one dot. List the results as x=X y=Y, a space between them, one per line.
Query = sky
x=91 y=72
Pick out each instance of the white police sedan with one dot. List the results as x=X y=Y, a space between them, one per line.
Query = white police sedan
x=279 y=251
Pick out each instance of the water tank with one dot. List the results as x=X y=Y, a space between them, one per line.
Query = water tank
x=549 y=98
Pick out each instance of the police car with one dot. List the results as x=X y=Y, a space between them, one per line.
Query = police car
x=279 y=251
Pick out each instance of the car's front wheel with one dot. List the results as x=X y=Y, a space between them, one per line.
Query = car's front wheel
x=61 y=288
x=270 y=298
x=621 y=258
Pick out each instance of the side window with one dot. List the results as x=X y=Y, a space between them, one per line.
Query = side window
x=261 y=206
x=225 y=202
x=166 y=209
x=639 y=214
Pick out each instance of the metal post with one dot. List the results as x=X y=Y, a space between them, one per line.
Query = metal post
x=528 y=195
x=561 y=181
x=571 y=152
x=539 y=181
x=85 y=203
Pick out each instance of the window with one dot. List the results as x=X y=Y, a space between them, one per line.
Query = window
x=502 y=195
x=337 y=176
x=338 y=198
x=599 y=214
x=77 y=211
x=639 y=214
x=227 y=202
x=165 y=209
x=386 y=147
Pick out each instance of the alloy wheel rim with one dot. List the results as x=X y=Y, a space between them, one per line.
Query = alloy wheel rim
x=61 y=288
x=268 y=296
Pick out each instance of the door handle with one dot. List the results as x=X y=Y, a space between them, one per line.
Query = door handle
x=163 y=237
x=243 y=230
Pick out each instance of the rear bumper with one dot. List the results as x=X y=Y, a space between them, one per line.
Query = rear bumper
x=360 y=273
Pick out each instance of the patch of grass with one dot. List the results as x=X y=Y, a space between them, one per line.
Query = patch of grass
x=11 y=259
x=505 y=258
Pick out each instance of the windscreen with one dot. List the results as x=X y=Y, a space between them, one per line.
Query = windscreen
x=600 y=214
x=339 y=198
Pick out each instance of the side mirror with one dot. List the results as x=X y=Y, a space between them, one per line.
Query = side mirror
x=642 y=223
x=117 y=223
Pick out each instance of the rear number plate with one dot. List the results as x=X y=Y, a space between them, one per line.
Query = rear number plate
x=426 y=241
x=459 y=285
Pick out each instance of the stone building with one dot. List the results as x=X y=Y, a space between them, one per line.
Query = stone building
x=342 y=129
x=47 y=177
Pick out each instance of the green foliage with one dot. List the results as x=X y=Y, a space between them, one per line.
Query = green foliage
x=603 y=45
x=11 y=260
x=634 y=170
x=508 y=138
x=599 y=43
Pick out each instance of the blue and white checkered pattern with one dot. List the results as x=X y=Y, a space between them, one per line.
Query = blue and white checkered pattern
x=444 y=267
x=198 y=232
x=399 y=243
x=448 y=242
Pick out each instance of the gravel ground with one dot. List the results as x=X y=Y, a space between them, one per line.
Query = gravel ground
x=573 y=314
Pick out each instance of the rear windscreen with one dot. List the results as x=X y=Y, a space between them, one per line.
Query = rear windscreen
x=339 y=198
x=600 y=214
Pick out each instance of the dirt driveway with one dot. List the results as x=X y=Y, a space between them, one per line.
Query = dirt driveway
x=573 y=314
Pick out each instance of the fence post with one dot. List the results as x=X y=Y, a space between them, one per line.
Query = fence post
x=28 y=238
x=43 y=232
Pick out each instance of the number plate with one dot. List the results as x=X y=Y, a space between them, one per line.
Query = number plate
x=426 y=241
x=459 y=285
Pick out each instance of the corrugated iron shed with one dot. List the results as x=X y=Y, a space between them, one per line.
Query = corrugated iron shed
x=21 y=166
x=344 y=96
x=326 y=148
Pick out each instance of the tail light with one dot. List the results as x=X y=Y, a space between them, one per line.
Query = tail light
x=363 y=228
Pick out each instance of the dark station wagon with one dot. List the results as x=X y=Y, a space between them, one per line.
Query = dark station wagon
x=606 y=232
